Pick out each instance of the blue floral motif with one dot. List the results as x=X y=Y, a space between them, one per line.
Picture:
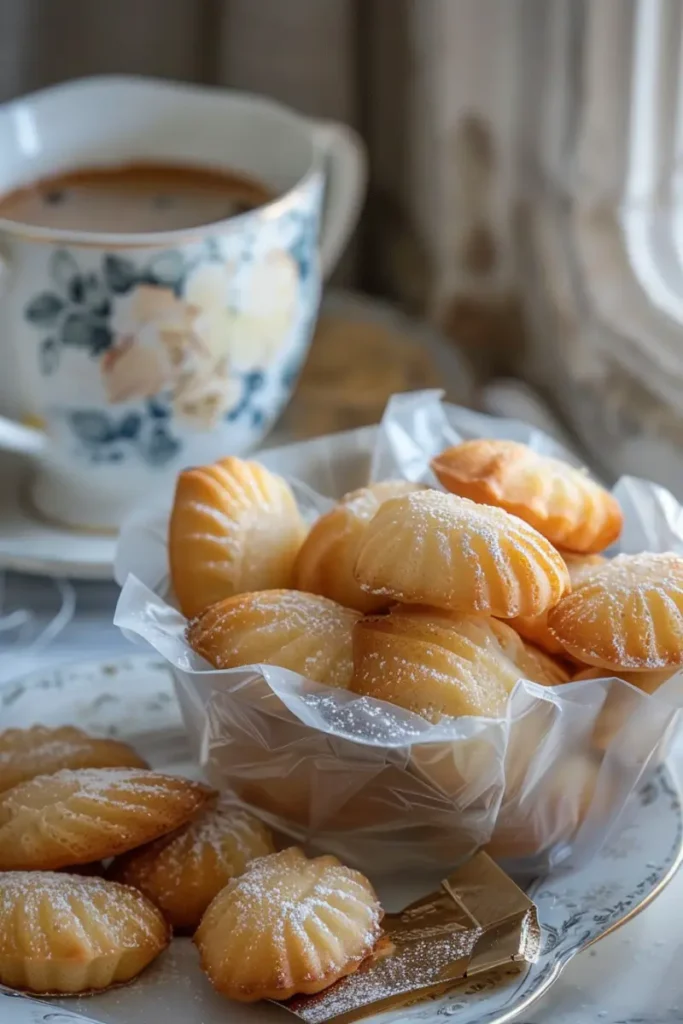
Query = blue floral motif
x=157 y=444
x=107 y=438
x=160 y=392
x=304 y=250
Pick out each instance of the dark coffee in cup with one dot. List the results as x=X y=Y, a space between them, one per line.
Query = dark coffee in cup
x=134 y=198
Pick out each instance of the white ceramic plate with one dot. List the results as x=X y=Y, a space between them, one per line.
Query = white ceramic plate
x=133 y=698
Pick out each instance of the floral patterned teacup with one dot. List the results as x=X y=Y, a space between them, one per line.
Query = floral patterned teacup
x=124 y=358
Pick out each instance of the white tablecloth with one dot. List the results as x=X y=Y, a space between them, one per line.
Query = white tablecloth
x=634 y=976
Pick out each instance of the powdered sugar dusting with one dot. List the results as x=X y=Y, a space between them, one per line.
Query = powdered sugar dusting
x=232 y=833
x=98 y=783
x=364 y=502
x=314 y=916
x=413 y=966
x=25 y=753
x=628 y=614
x=54 y=750
x=183 y=871
x=137 y=786
x=41 y=911
x=303 y=632
x=448 y=551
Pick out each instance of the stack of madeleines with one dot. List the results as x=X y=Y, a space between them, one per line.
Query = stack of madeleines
x=435 y=601
x=101 y=858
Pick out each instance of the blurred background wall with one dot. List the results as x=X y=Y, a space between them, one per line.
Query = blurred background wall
x=525 y=155
x=427 y=83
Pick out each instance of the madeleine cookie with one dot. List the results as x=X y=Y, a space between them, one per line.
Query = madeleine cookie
x=532 y=663
x=305 y=633
x=648 y=682
x=182 y=872
x=327 y=559
x=544 y=668
x=25 y=753
x=629 y=615
x=554 y=809
x=619 y=707
x=288 y=925
x=535 y=629
x=234 y=527
x=448 y=552
x=563 y=503
x=436 y=665
x=66 y=934
x=73 y=817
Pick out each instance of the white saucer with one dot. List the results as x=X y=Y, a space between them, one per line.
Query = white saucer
x=32 y=545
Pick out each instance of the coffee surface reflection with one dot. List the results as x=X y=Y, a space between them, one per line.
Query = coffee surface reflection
x=136 y=197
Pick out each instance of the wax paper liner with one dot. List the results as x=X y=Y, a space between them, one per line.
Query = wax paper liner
x=379 y=786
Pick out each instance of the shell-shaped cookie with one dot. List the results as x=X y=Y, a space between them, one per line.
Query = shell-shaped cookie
x=535 y=629
x=74 y=817
x=648 y=682
x=182 y=872
x=327 y=558
x=531 y=662
x=620 y=708
x=629 y=615
x=234 y=527
x=440 y=550
x=546 y=668
x=25 y=753
x=303 y=632
x=543 y=809
x=441 y=665
x=288 y=925
x=563 y=503
x=64 y=934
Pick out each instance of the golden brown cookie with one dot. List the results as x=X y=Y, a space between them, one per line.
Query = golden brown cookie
x=531 y=662
x=234 y=527
x=627 y=616
x=551 y=671
x=648 y=682
x=436 y=665
x=66 y=934
x=25 y=753
x=73 y=817
x=436 y=549
x=327 y=559
x=94 y=868
x=302 y=632
x=561 y=502
x=535 y=629
x=619 y=707
x=288 y=925
x=559 y=803
x=182 y=872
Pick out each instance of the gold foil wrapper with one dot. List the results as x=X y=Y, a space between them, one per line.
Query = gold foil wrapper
x=477 y=921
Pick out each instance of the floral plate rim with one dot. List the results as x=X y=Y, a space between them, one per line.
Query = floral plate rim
x=96 y=686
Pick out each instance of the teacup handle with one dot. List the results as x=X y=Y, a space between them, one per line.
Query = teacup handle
x=14 y=437
x=346 y=178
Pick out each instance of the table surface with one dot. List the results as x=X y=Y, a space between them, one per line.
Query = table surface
x=633 y=976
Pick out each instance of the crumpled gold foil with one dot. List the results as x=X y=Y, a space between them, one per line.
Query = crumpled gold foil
x=477 y=921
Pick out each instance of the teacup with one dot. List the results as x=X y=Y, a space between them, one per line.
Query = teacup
x=125 y=357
